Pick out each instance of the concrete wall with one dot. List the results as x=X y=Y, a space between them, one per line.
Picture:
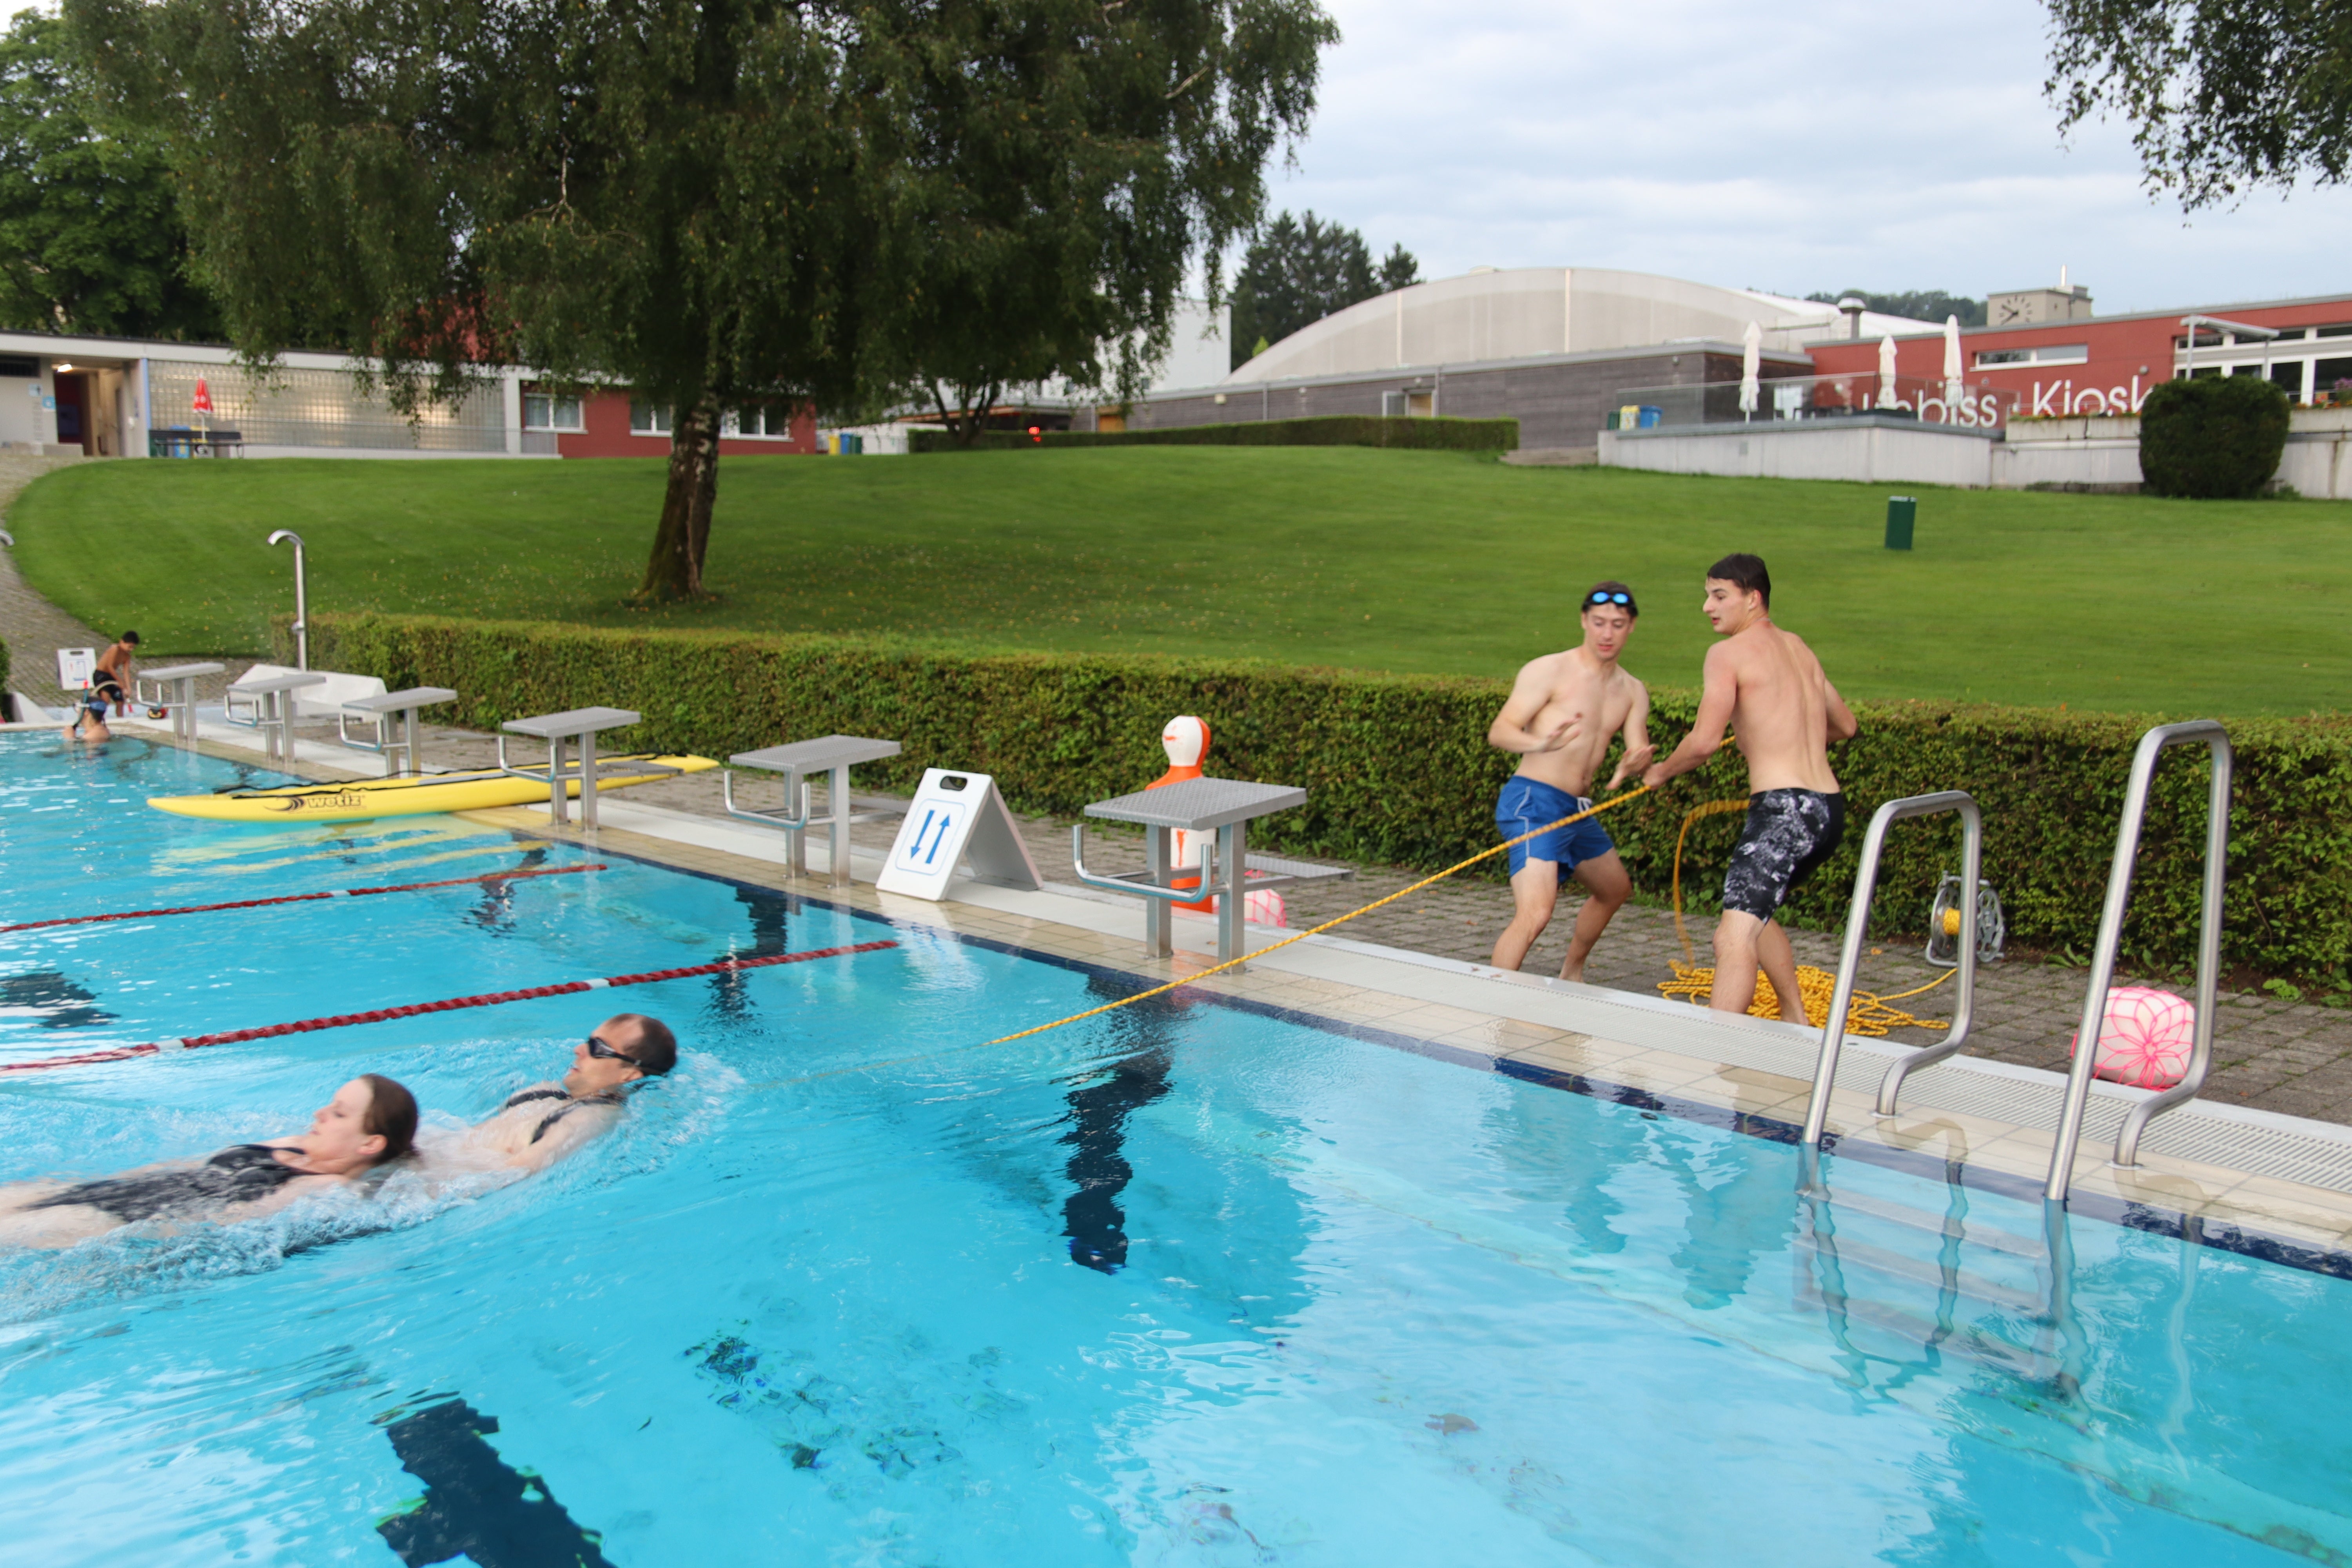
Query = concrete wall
x=1871 y=449
x=1558 y=402
x=2106 y=451
x=2088 y=450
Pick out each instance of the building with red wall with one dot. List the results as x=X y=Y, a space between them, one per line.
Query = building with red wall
x=2108 y=365
x=613 y=424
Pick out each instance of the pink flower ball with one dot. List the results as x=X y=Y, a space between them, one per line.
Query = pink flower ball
x=2145 y=1038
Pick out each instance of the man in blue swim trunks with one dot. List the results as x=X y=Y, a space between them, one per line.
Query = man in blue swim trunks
x=1564 y=709
x=1766 y=686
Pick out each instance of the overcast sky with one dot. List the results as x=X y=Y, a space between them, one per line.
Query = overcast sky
x=1812 y=144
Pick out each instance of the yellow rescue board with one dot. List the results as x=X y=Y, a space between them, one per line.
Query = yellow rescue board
x=363 y=798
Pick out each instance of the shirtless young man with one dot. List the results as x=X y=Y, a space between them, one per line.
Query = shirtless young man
x=120 y=660
x=543 y=1123
x=1765 y=684
x=1564 y=710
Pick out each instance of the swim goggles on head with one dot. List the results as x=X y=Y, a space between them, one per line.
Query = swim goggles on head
x=1608 y=596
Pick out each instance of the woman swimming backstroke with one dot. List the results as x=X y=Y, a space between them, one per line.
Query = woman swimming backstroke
x=370 y=1122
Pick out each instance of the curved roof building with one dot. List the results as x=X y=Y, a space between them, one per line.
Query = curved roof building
x=1553 y=347
x=1527 y=312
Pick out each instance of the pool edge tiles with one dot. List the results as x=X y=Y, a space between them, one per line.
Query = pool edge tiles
x=2294 y=1225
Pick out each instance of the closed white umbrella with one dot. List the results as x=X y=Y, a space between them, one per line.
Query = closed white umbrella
x=1886 y=372
x=1751 y=363
x=1953 y=390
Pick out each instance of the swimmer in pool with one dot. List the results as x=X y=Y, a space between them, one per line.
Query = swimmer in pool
x=539 y=1125
x=90 y=719
x=370 y=1123
x=1768 y=687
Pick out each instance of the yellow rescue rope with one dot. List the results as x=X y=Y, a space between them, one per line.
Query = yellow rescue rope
x=1866 y=1013
x=1327 y=925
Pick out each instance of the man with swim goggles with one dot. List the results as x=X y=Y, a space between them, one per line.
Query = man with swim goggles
x=1564 y=709
x=90 y=717
x=541 y=1124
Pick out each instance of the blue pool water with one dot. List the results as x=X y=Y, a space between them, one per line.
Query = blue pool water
x=1187 y=1285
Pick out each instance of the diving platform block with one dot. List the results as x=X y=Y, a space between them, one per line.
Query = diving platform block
x=175 y=692
x=576 y=729
x=1224 y=806
x=394 y=714
x=832 y=754
x=271 y=700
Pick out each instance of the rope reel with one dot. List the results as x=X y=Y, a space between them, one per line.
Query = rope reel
x=1944 y=924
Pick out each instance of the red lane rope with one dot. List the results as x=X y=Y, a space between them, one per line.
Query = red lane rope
x=303 y=897
x=488 y=999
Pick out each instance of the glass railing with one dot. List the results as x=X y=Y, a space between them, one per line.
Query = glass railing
x=1973 y=405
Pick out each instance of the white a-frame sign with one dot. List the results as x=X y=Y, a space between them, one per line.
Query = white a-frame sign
x=956 y=817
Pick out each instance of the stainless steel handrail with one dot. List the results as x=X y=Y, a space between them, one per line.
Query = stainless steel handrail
x=779 y=816
x=2152 y=746
x=1857 y=925
x=1146 y=883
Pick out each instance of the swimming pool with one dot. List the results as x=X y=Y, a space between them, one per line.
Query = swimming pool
x=1190 y=1284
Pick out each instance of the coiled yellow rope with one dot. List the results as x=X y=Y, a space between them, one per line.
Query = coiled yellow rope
x=1866 y=1013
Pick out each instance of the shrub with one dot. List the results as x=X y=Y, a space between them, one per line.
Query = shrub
x=1326 y=430
x=2212 y=437
x=1398 y=769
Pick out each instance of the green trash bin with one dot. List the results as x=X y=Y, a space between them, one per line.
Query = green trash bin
x=1901 y=512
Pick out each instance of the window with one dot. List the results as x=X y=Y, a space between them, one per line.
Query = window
x=2035 y=353
x=645 y=419
x=2288 y=377
x=761 y=421
x=550 y=411
x=2345 y=332
x=2326 y=373
x=22 y=366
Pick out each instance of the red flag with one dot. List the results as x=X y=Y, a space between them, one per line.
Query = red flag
x=203 y=396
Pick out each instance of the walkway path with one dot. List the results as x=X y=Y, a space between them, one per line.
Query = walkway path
x=35 y=629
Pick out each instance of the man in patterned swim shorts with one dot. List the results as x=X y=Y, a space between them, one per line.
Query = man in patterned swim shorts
x=1766 y=686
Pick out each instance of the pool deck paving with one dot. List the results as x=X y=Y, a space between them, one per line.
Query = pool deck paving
x=2278 y=1180
x=2290 y=1057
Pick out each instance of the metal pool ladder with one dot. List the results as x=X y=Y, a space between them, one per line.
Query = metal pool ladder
x=2152 y=746
x=1857 y=925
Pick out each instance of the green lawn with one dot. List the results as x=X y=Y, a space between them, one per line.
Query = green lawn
x=1403 y=561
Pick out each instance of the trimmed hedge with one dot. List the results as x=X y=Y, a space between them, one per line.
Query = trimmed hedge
x=2212 y=437
x=1398 y=769
x=1323 y=430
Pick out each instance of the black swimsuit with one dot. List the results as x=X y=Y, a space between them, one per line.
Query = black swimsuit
x=238 y=1174
x=567 y=1108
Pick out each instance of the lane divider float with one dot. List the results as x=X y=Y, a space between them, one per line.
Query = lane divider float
x=416 y=1010
x=301 y=898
